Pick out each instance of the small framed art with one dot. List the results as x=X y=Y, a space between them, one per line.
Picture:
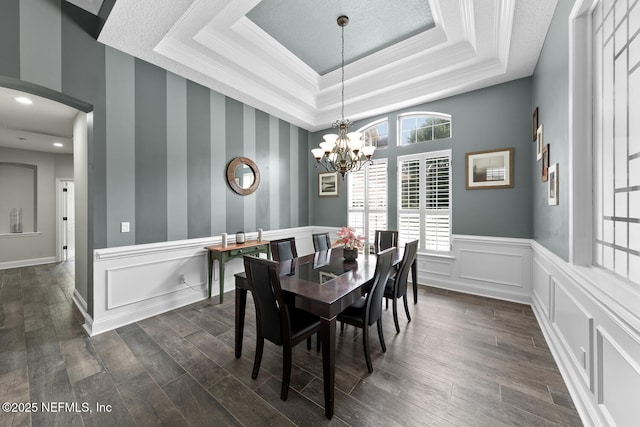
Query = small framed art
x=534 y=123
x=539 y=142
x=552 y=183
x=328 y=184
x=489 y=169
x=545 y=162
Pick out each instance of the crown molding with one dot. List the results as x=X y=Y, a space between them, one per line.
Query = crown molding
x=213 y=43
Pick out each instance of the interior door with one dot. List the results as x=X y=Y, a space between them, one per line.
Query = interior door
x=69 y=221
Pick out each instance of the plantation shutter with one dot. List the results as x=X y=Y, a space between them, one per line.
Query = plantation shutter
x=409 y=214
x=437 y=193
x=367 y=199
x=424 y=208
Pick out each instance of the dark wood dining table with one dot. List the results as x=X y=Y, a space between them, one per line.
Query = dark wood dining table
x=323 y=284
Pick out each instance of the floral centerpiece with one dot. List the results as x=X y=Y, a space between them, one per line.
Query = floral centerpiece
x=350 y=241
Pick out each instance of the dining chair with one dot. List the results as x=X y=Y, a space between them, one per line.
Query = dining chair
x=283 y=249
x=368 y=309
x=276 y=320
x=396 y=286
x=384 y=239
x=321 y=242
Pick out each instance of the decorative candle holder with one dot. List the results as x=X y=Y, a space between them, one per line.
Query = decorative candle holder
x=224 y=240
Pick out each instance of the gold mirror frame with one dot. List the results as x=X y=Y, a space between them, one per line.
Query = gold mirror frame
x=231 y=173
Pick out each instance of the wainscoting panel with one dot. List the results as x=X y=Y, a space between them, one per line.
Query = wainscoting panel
x=480 y=266
x=574 y=327
x=489 y=266
x=617 y=367
x=135 y=282
x=595 y=340
x=541 y=286
x=123 y=282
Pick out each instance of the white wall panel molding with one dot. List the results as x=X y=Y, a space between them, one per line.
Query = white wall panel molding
x=617 y=364
x=542 y=287
x=593 y=335
x=480 y=266
x=495 y=267
x=135 y=282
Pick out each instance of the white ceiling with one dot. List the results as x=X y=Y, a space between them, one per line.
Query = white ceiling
x=474 y=44
x=36 y=126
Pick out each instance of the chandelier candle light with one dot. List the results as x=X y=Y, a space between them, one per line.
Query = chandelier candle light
x=344 y=152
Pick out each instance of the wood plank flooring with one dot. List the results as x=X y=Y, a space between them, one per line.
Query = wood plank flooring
x=463 y=360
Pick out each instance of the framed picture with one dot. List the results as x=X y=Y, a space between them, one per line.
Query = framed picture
x=539 y=142
x=489 y=169
x=552 y=183
x=328 y=184
x=545 y=163
x=534 y=123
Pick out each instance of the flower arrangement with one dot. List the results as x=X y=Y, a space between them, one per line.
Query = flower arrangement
x=348 y=238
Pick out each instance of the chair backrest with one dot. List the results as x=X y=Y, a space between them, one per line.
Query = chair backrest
x=380 y=277
x=385 y=239
x=283 y=249
x=410 y=253
x=271 y=311
x=321 y=242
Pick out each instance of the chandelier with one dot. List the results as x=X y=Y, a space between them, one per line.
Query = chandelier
x=343 y=152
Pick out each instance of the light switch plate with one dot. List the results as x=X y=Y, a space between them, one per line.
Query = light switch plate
x=124 y=227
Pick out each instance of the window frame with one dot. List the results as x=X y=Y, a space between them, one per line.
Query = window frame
x=376 y=123
x=423 y=212
x=427 y=114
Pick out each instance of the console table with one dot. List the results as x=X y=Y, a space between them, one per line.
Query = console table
x=231 y=251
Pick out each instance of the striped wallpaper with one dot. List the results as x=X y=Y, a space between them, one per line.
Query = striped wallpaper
x=161 y=143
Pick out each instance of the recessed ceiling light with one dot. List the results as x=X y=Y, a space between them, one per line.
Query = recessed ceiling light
x=58 y=144
x=24 y=100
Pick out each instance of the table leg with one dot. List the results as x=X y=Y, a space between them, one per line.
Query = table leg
x=210 y=257
x=414 y=274
x=241 y=305
x=328 y=336
x=222 y=261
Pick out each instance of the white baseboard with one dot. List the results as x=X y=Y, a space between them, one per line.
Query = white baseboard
x=27 y=262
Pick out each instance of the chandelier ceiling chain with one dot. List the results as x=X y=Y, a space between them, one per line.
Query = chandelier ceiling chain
x=344 y=152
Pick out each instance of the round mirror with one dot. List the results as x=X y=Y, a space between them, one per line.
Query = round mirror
x=243 y=175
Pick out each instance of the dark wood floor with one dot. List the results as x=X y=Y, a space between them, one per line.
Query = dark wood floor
x=463 y=360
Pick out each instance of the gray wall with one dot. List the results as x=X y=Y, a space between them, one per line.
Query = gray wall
x=490 y=118
x=160 y=143
x=550 y=93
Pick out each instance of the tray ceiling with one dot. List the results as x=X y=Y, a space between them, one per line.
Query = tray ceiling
x=446 y=47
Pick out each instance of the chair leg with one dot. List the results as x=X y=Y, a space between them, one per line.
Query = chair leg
x=258 y=357
x=341 y=327
x=406 y=308
x=395 y=315
x=309 y=342
x=381 y=336
x=318 y=342
x=365 y=344
x=386 y=303
x=286 y=371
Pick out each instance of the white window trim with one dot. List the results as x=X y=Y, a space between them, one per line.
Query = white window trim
x=580 y=138
x=421 y=113
x=376 y=123
x=422 y=209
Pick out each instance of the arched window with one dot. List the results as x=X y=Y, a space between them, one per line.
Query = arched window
x=423 y=126
x=376 y=133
